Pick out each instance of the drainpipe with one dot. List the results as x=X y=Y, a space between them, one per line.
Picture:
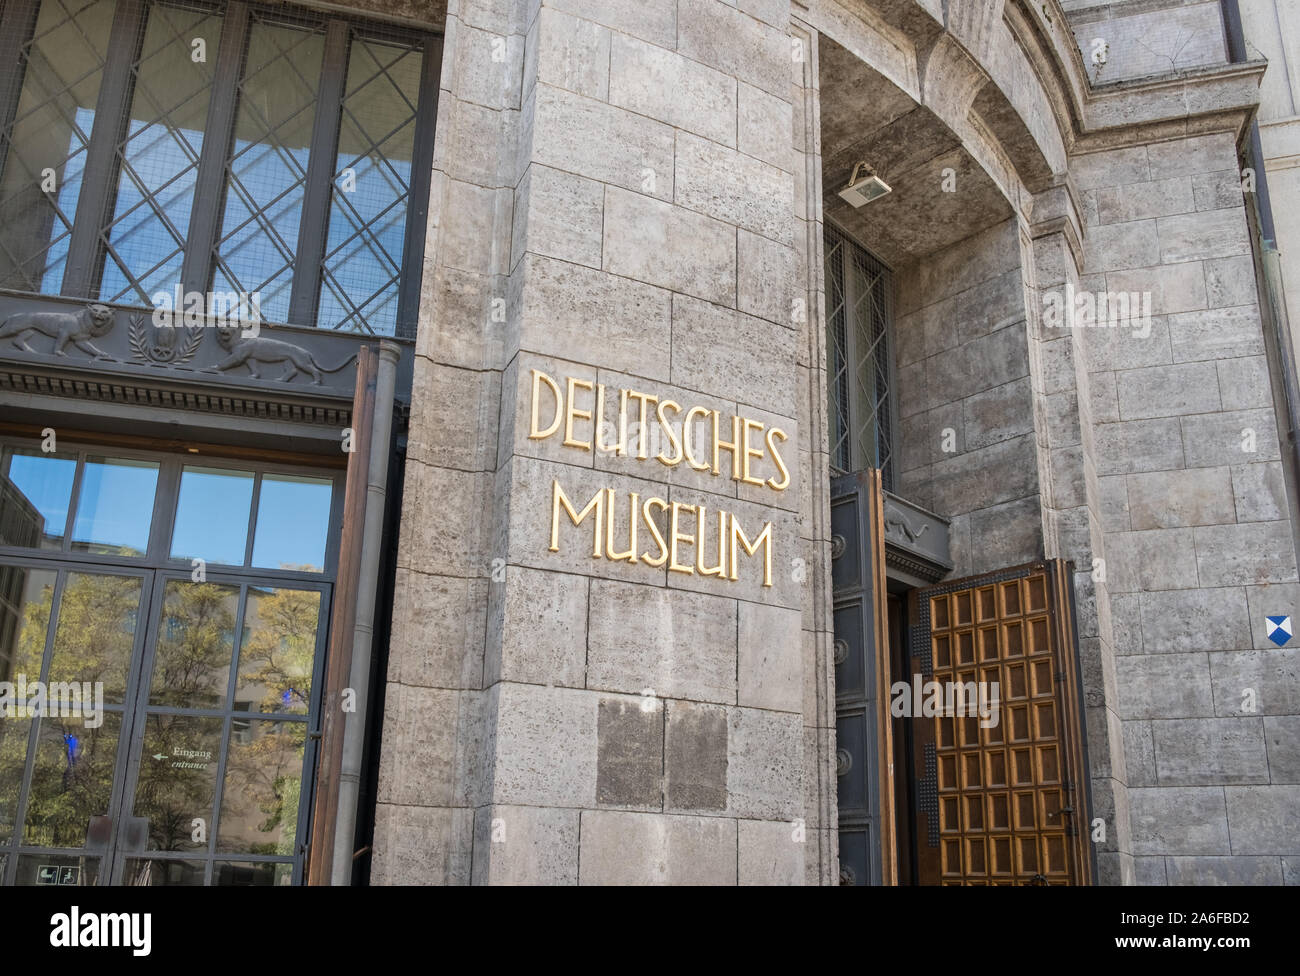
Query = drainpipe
x=354 y=729
x=1232 y=30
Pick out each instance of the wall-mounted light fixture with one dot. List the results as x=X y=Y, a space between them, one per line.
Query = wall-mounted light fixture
x=864 y=186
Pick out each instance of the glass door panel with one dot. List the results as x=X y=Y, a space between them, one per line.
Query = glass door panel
x=263 y=783
x=277 y=654
x=96 y=633
x=222 y=749
x=71 y=781
x=68 y=638
x=177 y=783
x=194 y=645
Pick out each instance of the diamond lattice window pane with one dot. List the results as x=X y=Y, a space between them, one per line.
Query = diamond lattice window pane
x=837 y=376
x=267 y=173
x=44 y=148
x=367 y=224
x=159 y=156
x=859 y=318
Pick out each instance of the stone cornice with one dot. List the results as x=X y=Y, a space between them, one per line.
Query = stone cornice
x=1214 y=98
x=1087 y=118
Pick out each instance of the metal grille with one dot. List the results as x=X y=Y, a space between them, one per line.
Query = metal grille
x=159 y=156
x=61 y=63
x=267 y=175
x=235 y=148
x=927 y=793
x=363 y=260
x=860 y=389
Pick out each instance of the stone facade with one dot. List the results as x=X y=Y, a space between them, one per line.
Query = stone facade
x=630 y=195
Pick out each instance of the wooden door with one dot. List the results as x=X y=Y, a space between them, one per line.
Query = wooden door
x=1005 y=801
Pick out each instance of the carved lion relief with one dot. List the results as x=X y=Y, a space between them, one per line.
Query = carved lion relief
x=78 y=328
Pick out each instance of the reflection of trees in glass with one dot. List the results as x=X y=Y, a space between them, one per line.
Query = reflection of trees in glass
x=171 y=792
x=27 y=624
x=259 y=808
x=13 y=759
x=141 y=872
x=72 y=780
x=96 y=631
x=30 y=644
x=73 y=776
x=279 y=647
x=194 y=645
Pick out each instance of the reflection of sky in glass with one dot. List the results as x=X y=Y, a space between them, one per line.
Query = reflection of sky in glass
x=292 y=522
x=159 y=156
x=362 y=262
x=367 y=231
x=115 y=505
x=254 y=249
x=68 y=193
x=212 y=515
x=367 y=226
x=46 y=482
x=140 y=239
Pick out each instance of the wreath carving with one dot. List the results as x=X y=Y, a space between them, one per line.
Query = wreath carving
x=170 y=346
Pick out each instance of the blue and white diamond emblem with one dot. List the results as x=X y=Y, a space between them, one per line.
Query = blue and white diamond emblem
x=1279 y=630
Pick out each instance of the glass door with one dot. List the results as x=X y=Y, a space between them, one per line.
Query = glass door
x=221 y=739
x=162 y=635
x=68 y=641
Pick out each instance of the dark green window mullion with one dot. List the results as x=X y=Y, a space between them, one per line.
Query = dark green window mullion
x=218 y=134
x=417 y=202
x=314 y=224
x=19 y=25
x=853 y=452
x=99 y=181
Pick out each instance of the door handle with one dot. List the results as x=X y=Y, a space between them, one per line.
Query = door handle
x=135 y=833
x=98 y=832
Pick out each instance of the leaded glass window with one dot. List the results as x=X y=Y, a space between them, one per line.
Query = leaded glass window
x=222 y=148
x=267 y=176
x=859 y=375
x=159 y=158
x=376 y=149
x=46 y=134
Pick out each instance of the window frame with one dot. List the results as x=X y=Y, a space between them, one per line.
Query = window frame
x=156 y=568
x=890 y=433
x=166 y=500
x=87 y=247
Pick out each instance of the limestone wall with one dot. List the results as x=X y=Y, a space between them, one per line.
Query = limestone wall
x=968 y=437
x=1139 y=38
x=627 y=197
x=623 y=194
x=1198 y=541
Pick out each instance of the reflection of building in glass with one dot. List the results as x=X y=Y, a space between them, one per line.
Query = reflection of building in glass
x=20 y=525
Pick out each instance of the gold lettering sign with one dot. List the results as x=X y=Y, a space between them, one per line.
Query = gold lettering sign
x=696 y=540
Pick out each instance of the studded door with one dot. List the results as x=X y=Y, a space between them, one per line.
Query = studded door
x=1001 y=780
x=864 y=772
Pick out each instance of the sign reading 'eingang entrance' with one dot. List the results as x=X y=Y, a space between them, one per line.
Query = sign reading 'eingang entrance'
x=696 y=436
